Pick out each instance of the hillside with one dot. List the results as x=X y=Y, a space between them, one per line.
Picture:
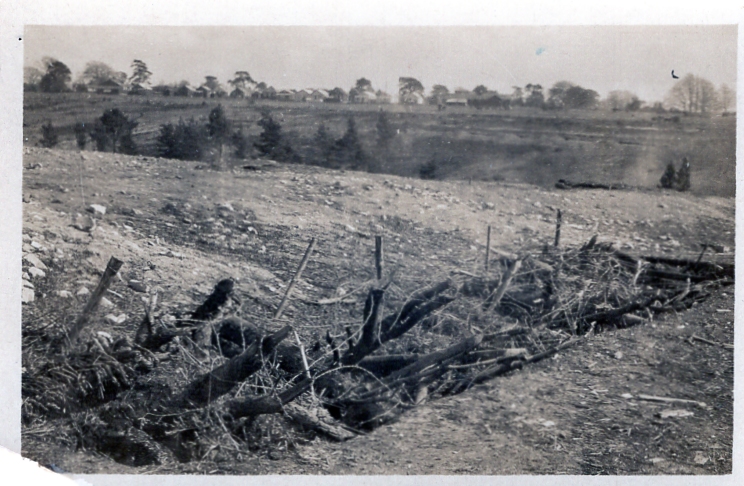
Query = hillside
x=180 y=228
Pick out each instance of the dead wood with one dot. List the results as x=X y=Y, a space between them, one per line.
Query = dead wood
x=222 y=379
x=712 y=343
x=295 y=278
x=112 y=268
x=651 y=398
x=494 y=301
x=313 y=421
x=212 y=305
x=370 y=339
x=564 y=184
x=384 y=365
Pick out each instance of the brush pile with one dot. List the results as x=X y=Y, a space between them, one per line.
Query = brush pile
x=214 y=386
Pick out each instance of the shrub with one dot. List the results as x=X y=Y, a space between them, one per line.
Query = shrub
x=183 y=141
x=682 y=182
x=322 y=147
x=428 y=170
x=385 y=131
x=271 y=141
x=114 y=131
x=81 y=136
x=348 y=151
x=49 y=137
x=240 y=142
x=669 y=178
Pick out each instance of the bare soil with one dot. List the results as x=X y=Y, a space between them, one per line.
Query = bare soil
x=181 y=227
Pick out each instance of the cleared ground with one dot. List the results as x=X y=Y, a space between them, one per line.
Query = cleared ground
x=565 y=415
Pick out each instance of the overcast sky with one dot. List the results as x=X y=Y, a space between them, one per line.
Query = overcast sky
x=602 y=58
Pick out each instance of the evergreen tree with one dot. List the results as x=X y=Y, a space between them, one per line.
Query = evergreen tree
x=385 y=131
x=81 y=136
x=218 y=129
x=114 y=131
x=683 y=176
x=323 y=145
x=271 y=141
x=669 y=178
x=348 y=149
x=49 y=137
x=240 y=142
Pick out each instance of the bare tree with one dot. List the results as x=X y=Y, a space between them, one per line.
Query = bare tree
x=98 y=72
x=693 y=94
x=726 y=97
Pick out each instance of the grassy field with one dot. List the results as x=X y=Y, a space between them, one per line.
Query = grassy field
x=524 y=145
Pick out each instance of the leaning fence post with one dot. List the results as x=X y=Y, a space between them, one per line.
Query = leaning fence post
x=294 y=280
x=111 y=270
x=378 y=257
x=488 y=246
x=558 y=229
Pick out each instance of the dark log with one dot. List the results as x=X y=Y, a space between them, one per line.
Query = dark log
x=557 y=229
x=222 y=379
x=436 y=357
x=384 y=365
x=312 y=421
x=211 y=307
x=370 y=339
x=112 y=268
x=564 y=184
x=505 y=281
x=517 y=331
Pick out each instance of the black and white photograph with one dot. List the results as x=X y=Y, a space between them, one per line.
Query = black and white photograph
x=370 y=250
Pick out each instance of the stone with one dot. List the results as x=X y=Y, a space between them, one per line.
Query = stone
x=96 y=209
x=116 y=319
x=36 y=272
x=35 y=261
x=28 y=284
x=27 y=295
x=82 y=292
x=83 y=222
x=65 y=294
x=105 y=303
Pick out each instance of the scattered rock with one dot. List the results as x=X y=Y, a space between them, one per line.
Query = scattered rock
x=27 y=295
x=674 y=413
x=65 y=294
x=131 y=212
x=83 y=223
x=656 y=460
x=96 y=209
x=618 y=355
x=35 y=261
x=36 y=272
x=83 y=292
x=116 y=319
x=137 y=286
x=627 y=396
x=488 y=205
x=105 y=303
x=28 y=284
x=700 y=458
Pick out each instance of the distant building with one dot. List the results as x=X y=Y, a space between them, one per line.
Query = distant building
x=319 y=95
x=286 y=95
x=268 y=93
x=362 y=97
x=237 y=93
x=337 y=95
x=382 y=98
x=414 y=98
x=303 y=95
x=138 y=89
x=105 y=87
x=184 y=91
x=204 y=92
x=456 y=102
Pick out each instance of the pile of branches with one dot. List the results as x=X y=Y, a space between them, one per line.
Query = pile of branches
x=442 y=340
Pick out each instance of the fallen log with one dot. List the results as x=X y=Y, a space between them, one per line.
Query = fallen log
x=564 y=184
x=500 y=369
x=384 y=365
x=312 y=421
x=224 y=378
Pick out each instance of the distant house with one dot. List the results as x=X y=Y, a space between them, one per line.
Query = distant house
x=383 y=98
x=268 y=93
x=319 y=95
x=184 y=91
x=204 y=92
x=456 y=101
x=303 y=95
x=362 y=97
x=414 y=98
x=105 y=87
x=337 y=95
x=138 y=89
x=489 y=99
x=286 y=95
x=237 y=93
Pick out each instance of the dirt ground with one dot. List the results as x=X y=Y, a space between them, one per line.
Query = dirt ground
x=181 y=227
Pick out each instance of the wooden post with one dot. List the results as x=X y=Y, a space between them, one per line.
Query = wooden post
x=504 y=284
x=488 y=246
x=296 y=277
x=111 y=270
x=378 y=257
x=558 y=229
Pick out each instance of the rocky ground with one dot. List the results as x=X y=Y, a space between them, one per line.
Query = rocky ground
x=180 y=227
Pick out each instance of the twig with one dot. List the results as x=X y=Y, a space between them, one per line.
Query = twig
x=302 y=352
x=651 y=398
x=296 y=277
x=712 y=343
x=504 y=284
